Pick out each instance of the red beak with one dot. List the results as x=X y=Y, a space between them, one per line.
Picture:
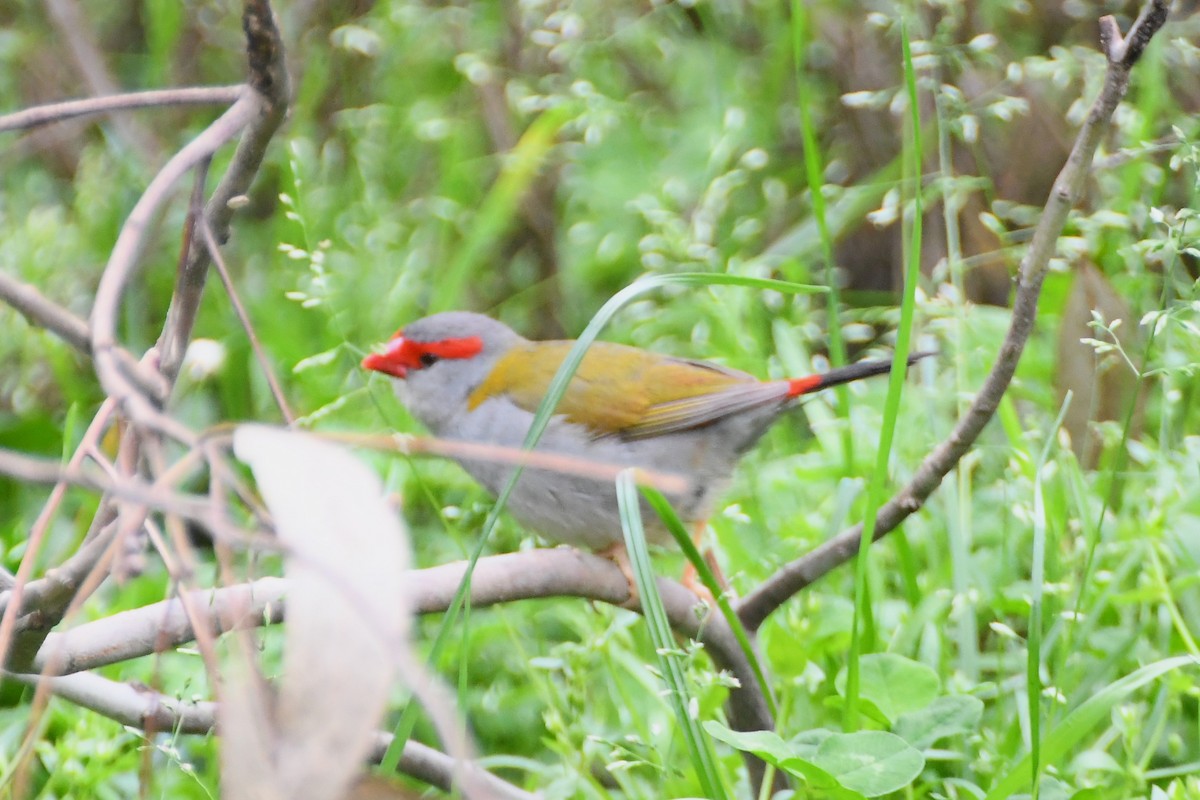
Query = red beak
x=391 y=361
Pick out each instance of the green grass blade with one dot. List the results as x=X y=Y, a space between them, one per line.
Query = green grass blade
x=1037 y=579
x=684 y=540
x=891 y=411
x=813 y=171
x=500 y=206
x=698 y=744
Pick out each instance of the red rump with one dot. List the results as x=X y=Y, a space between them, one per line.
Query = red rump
x=853 y=372
x=799 y=386
x=403 y=354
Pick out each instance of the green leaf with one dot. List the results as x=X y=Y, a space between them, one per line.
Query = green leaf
x=783 y=755
x=872 y=763
x=945 y=716
x=895 y=684
x=845 y=765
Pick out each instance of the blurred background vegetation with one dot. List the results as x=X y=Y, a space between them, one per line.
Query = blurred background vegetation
x=528 y=159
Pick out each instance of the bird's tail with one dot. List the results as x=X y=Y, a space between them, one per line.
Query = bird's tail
x=853 y=372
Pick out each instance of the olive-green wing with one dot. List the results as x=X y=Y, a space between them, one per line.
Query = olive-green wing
x=624 y=391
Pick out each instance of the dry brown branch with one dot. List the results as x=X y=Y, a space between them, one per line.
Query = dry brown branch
x=438 y=769
x=1068 y=187
x=260 y=112
x=268 y=77
x=195 y=508
x=160 y=98
x=91 y=436
x=148 y=710
x=31 y=469
x=128 y=705
x=43 y=312
x=123 y=261
x=260 y=353
x=161 y=626
x=561 y=572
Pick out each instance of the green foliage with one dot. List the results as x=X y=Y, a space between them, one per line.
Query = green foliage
x=667 y=140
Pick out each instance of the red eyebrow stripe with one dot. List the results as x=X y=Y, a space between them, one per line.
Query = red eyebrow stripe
x=449 y=348
x=403 y=354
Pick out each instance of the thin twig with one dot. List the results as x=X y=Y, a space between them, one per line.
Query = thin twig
x=260 y=354
x=31 y=469
x=1067 y=189
x=45 y=313
x=123 y=260
x=148 y=710
x=159 y=98
x=268 y=76
x=8 y=621
x=602 y=472
x=49 y=315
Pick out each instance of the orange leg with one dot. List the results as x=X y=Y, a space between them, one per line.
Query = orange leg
x=691 y=579
x=617 y=553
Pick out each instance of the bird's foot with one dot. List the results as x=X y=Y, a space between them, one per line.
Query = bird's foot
x=691 y=579
x=691 y=582
x=617 y=553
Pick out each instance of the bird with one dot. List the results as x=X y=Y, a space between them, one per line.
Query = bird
x=468 y=377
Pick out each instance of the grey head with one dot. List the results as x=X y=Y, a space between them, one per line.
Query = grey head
x=440 y=360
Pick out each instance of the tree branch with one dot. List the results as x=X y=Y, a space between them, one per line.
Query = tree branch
x=122 y=263
x=152 y=711
x=561 y=572
x=1068 y=187
x=268 y=77
x=159 y=98
x=43 y=312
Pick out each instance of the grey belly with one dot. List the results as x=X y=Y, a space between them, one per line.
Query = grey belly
x=582 y=511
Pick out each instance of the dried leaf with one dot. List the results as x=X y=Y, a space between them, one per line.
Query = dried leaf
x=347 y=618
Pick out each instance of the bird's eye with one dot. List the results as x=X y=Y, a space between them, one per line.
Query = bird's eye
x=428 y=359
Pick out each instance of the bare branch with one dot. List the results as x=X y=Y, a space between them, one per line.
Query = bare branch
x=134 y=707
x=1068 y=187
x=561 y=572
x=160 y=98
x=91 y=436
x=1125 y=51
x=45 y=313
x=197 y=508
x=268 y=76
x=151 y=711
x=438 y=769
x=123 y=261
x=32 y=469
x=161 y=626
x=260 y=353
